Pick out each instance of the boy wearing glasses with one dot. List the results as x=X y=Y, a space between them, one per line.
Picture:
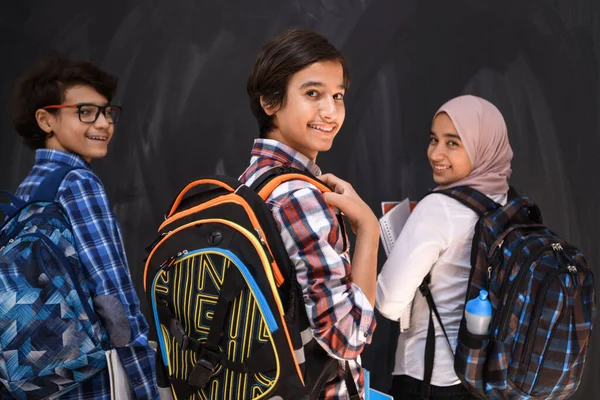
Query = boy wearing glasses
x=62 y=110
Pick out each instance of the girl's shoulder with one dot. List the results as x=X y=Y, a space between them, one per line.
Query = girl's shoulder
x=438 y=203
x=444 y=215
x=437 y=209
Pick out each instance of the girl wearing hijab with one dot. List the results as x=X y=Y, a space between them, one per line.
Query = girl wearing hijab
x=468 y=147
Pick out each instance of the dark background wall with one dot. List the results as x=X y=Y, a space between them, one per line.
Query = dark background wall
x=183 y=65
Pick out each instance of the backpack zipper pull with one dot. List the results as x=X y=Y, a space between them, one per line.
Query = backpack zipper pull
x=168 y=262
x=573 y=270
x=557 y=247
x=158 y=239
x=264 y=245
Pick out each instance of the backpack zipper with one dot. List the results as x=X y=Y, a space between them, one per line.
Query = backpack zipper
x=535 y=316
x=20 y=224
x=155 y=242
x=252 y=238
x=265 y=248
x=230 y=198
x=511 y=262
x=510 y=300
x=500 y=240
x=571 y=269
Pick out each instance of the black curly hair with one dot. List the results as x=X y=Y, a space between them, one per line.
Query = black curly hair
x=45 y=84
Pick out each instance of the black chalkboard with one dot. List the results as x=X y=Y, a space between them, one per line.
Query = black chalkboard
x=183 y=66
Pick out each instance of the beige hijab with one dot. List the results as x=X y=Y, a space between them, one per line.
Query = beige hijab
x=482 y=130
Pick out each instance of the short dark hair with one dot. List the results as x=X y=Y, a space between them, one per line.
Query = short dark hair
x=279 y=59
x=46 y=83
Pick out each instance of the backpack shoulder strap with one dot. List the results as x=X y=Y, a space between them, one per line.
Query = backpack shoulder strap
x=264 y=186
x=10 y=207
x=47 y=189
x=480 y=204
x=270 y=180
x=472 y=198
x=430 y=340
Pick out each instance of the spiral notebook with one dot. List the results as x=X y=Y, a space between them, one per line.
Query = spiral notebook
x=391 y=223
x=395 y=215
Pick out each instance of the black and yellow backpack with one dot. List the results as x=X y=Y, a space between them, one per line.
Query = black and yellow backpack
x=228 y=310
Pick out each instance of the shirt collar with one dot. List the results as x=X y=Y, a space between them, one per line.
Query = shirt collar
x=45 y=156
x=269 y=148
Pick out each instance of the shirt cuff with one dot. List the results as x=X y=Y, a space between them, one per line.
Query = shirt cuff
x=366 y=314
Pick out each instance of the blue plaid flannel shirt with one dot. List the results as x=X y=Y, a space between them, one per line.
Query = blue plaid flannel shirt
x=100 y=246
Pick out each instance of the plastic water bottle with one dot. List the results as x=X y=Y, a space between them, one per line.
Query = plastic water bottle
x=478 y=314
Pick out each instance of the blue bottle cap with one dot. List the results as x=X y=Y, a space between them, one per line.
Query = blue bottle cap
x=480 y=305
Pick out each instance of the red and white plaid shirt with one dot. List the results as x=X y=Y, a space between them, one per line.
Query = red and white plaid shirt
x=341 y=317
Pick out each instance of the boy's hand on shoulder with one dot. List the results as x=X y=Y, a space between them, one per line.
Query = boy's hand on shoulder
x=345 y=198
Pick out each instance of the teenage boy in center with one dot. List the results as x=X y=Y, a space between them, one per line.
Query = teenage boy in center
x=296 y=91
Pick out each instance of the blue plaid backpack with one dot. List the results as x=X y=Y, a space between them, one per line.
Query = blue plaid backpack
x=50 y=337
x=543 y=305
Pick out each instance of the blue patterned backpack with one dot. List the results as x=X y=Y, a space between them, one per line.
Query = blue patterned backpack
x=543 y=305
x=50 y=336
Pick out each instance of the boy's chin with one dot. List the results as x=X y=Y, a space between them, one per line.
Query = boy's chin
x=325 y=146
x=95 y=155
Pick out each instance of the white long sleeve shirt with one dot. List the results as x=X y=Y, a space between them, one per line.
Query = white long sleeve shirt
x=436 y=238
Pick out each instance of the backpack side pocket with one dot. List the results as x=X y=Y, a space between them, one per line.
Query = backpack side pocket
x=470 y=359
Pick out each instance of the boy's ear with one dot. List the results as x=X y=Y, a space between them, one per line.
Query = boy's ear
x=268 y=108
x=44 y=120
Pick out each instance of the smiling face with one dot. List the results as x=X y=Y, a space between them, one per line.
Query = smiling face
x=446 y=152
x=313 y=111
x=68 y=133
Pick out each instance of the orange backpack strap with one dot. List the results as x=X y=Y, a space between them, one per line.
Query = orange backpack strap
x=267 y=182
x=225 y=183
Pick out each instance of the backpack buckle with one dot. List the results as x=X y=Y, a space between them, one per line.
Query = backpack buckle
x=424 y=286
x=185 y=342
x=205 y=365
x=179 y=334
